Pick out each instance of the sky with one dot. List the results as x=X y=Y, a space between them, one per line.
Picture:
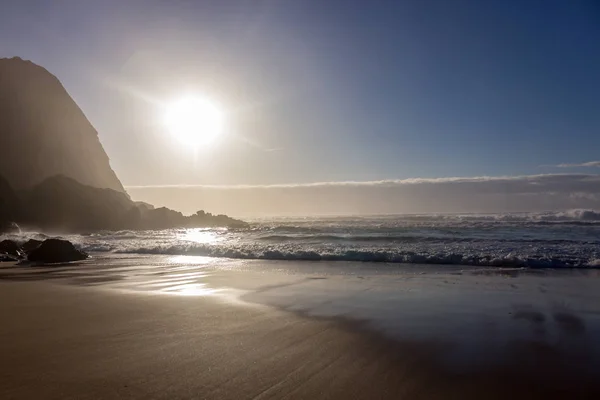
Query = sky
x=473 y=97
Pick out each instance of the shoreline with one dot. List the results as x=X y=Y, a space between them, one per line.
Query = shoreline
x=77 y=341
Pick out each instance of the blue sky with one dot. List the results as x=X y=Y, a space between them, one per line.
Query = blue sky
x=324 y=91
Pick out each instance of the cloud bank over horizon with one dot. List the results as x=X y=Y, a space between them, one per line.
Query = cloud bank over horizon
x=549 y=192
x=585 y=164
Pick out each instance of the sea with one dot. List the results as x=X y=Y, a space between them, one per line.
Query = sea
x=569 y=239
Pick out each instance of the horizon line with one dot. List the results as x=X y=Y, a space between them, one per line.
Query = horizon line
x=407 y=181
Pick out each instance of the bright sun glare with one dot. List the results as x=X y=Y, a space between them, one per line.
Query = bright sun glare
x=194 y=120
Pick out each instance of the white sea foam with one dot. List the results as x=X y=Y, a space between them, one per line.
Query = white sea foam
x=552 y=239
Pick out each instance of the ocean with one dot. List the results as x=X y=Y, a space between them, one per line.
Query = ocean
x=535 y=240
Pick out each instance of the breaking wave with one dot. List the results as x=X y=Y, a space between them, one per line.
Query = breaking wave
x=377 y=256
x=531 y=240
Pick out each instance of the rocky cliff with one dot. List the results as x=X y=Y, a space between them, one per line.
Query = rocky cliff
x=62 y=204
x=54 y=173
x=9 y=205
x=44 y=133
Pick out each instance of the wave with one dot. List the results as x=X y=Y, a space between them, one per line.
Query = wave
x=537 y=240
x=451 y=223
x=351 y=238
x=573 y=215
x=373 y=256
x=401 y=239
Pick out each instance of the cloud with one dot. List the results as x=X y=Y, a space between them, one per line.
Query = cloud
x=585 y=164
x=417 y=195
x=532 y=179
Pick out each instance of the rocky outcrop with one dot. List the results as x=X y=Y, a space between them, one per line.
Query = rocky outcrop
x=48 y=251
x=205 y=219
x=61 y=203
x=162 y=218
x=31 y=245
x=10 y=248
x=44 y=133
x=143 y=206
x=9 y=207
x=56 y=251
x=56 y=175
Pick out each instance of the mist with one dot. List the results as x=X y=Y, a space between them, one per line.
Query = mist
x=442 y=195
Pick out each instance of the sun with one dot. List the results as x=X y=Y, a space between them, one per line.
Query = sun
x=194 y=120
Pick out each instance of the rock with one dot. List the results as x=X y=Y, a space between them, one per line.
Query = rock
x=204 y=219
x=163 y=218
x=62 y=204
x=143 y=206
x=44 y=133
x=7 y=258
x=10 y=248
x=31 y=245
x=56 y=251
x=9 y=205
x=132 y=219
x=54 y=172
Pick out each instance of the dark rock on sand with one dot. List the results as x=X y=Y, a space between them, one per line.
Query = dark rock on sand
x=31 y=245
x=55 y=251
x=10 y=248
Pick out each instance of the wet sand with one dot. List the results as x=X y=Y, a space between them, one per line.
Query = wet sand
x=62 y=341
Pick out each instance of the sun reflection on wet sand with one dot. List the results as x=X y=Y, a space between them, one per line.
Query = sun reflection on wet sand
x=187 y=277
x=225 y=294
x=195 y=261
x=193 y=289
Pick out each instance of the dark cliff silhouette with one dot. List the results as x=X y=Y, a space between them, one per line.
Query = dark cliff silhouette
x=62 y=204
x=54 y=173
x=10 y=207
x=44 y=133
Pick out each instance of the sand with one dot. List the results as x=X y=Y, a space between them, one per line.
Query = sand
x=62 y=341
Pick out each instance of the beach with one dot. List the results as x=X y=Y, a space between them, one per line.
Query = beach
x=230 y=200
x=191 y=327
